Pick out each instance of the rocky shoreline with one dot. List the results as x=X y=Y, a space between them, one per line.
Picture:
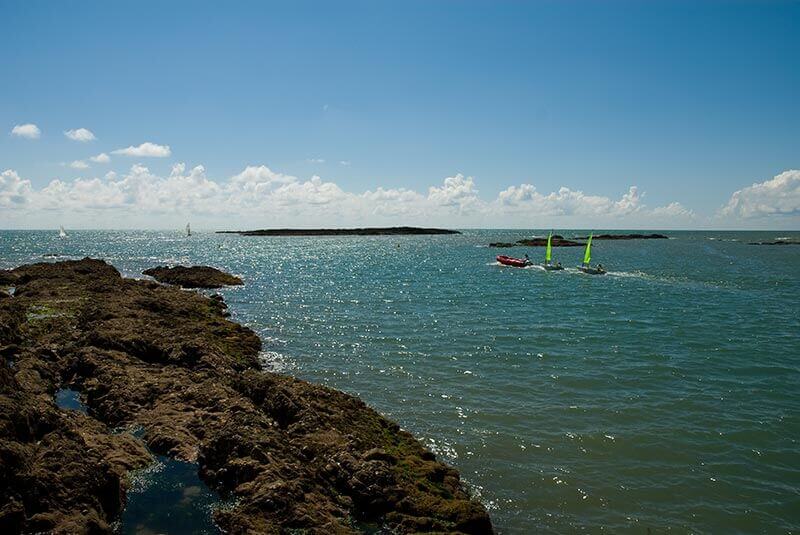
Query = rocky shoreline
x=377 y=231
x=294 y=455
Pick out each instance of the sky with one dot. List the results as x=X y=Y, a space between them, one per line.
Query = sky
x=510 y=114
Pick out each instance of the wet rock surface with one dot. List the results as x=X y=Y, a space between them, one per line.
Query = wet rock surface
x=193 y=277
x=293 y=455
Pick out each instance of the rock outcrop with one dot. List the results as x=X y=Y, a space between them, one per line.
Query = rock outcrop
x=296 y=456
x=193 y=277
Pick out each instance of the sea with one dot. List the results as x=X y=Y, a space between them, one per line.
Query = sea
x=662 y=397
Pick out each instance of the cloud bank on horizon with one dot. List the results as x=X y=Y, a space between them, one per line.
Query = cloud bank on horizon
x=261 y=197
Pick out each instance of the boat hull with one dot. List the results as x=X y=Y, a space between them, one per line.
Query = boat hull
x=513 y=262
x=550 y=267
x=591 y=270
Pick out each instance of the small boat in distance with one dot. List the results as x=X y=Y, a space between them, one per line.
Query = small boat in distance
x=188 y=230
x=587 y=256
x=548 y=256
x=513 y=262
x=61 y=232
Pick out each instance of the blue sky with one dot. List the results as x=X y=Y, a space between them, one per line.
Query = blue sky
x=687 y=101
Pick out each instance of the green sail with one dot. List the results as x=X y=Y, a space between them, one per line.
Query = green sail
x=549 y=252
x=588 y=255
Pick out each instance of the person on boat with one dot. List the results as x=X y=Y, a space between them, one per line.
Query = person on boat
x=600 y=267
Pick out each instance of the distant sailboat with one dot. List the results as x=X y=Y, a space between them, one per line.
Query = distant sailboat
x=587 y=257
x=548 y=255
x=61 y=232
x=188 y=230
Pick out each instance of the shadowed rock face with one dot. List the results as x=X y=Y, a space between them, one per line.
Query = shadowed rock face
x=296 y=455
x=193 y=277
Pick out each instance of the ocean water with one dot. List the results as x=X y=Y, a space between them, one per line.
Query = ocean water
x=664 y=396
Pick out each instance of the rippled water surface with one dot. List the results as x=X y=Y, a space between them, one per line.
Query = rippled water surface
x=664 y=395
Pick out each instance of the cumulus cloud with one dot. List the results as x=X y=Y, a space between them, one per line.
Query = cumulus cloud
x=779 y=196
x=28 y=130
x=673 y=209
x=101 y=158
x=567 y=202
x=80 y=134
x=146 y=150
x=13 y=189
x=456 y=192
x=260 y=196
x=79 y=164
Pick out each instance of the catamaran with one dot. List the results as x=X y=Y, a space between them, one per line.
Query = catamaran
x=548 y=256
x=61 y=232
x=188 y=230
x=587 y=256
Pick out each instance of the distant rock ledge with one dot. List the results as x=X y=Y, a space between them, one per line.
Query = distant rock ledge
x=193 y=277
x=625 y=237
x=557 y=241
x=375 y=231
x=776 y=242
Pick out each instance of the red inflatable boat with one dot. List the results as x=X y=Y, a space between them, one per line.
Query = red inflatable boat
x=511 y=261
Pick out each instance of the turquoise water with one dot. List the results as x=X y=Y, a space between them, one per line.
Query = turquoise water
x=663 y=395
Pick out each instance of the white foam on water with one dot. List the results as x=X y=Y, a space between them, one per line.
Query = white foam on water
x=272 y=361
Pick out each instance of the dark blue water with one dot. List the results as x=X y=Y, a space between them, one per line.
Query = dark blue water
x=663 y=395
x=169 y=497
x=70 y=400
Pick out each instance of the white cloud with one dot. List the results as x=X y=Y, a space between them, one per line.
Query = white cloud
x=147 y=149
x=79 y=164
x=779 y=196
x=259 y=196
x=80 y=134
x=345 y=163
x=101 y=158
x=29 y=131
x=316 y=160
x=13 y=190
x=567 y=202
x=456 y=192
x=673 y=209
